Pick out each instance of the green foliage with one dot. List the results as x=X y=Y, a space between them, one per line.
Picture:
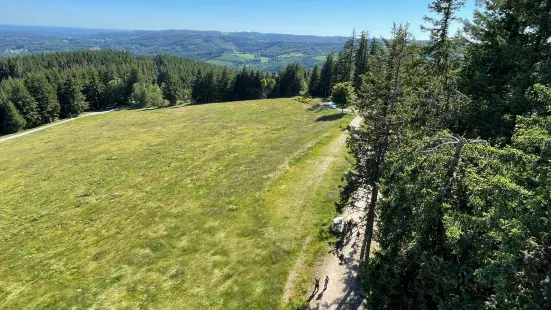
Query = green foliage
x=343 y=95
x=326 y=76
x=291 y=81
x=303 y=99
x=460 y=221
x=361 y=61
x=172 y=88
x=344 y=66
x=204 y=89
x=45 y=95
x=114 y=93
x=93 y=90
x=509 y=51
x=146 y=95
x=314 y=83
x=265 y=52
x=17 y=93
x=71 y=100
x=10 y=119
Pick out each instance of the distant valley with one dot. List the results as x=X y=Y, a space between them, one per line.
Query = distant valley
x=268 y=52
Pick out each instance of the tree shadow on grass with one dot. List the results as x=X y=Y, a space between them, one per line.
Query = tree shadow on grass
x=316 y=108
x=330 y=118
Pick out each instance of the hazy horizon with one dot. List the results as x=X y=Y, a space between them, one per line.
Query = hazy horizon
x=317 y=18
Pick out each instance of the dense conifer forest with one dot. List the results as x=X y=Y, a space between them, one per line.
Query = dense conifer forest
x=39 y=89
x=455 y=159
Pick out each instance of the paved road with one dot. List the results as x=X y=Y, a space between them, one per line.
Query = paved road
x=28 y=132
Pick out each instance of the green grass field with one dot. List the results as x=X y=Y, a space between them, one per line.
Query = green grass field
x=189 y=208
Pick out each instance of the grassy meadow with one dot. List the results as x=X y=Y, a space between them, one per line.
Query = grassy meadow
x=199 y=207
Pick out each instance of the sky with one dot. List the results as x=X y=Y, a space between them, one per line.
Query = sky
x=314 y=17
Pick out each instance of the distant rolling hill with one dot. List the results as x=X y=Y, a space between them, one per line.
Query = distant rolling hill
x=269 y=52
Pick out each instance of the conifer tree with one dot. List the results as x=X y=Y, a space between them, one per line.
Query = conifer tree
x=133 y=77
x=343 y=95
x=224 y=86
x=371 y=143
x=344 y=66
x=93 y=90
x=443 y=49
x=17 y=93
x=10 y=119
x=314 y=83
x=72 y=101
x=45 y=95
x=291 y=81
x=326 y=75
x=362 y=61
x=172 y=88
x=114 y=93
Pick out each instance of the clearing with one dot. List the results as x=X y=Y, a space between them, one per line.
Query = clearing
x=189 y=208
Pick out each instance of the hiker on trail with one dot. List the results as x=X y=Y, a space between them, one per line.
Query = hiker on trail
x=317 y=285
x=326 y=282
x=341 y=259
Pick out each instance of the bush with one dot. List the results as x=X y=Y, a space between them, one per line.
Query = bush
x=303 y=99
x=147 y=95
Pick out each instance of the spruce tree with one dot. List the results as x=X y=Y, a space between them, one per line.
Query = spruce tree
x=45 y=95
x=291 y=81
x=224 y=86
x=326 y=75
x=133 y=77
x=93 y=90
x=362 y=61
x=314 y=83
x=172 y=88
x=17 y=93
x=379 y=108
x=10 y=119
x=443 y=50
x=344 y=66
x=71 y=99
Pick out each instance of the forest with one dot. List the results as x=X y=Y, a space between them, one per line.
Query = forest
x=38 y=89
x=455 y=158
x=267 y=52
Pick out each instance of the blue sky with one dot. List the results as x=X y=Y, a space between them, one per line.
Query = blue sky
x=317 y=17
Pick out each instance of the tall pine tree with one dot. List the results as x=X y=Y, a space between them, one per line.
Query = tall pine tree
x=72 y=101
x=362 y=61
x=314 y=83
x=45 y=95
x=326 y=75
x=344 y=66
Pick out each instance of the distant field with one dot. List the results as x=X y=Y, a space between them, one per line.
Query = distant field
x=320 y=58
x=189 y=208
x=292 y=55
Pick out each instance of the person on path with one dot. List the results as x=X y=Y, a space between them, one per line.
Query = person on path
x=326 y=282
x=341 y=259
x=317 y=285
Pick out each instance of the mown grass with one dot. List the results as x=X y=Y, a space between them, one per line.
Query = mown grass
x=189 y=208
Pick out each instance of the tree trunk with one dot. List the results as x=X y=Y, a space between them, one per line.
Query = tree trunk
x=366 y=248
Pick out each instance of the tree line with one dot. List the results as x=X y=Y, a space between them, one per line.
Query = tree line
x=455 y=159
x=38 y=89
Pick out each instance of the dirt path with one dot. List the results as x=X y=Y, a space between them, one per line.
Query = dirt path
x=28 y=132
x=341 y=291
